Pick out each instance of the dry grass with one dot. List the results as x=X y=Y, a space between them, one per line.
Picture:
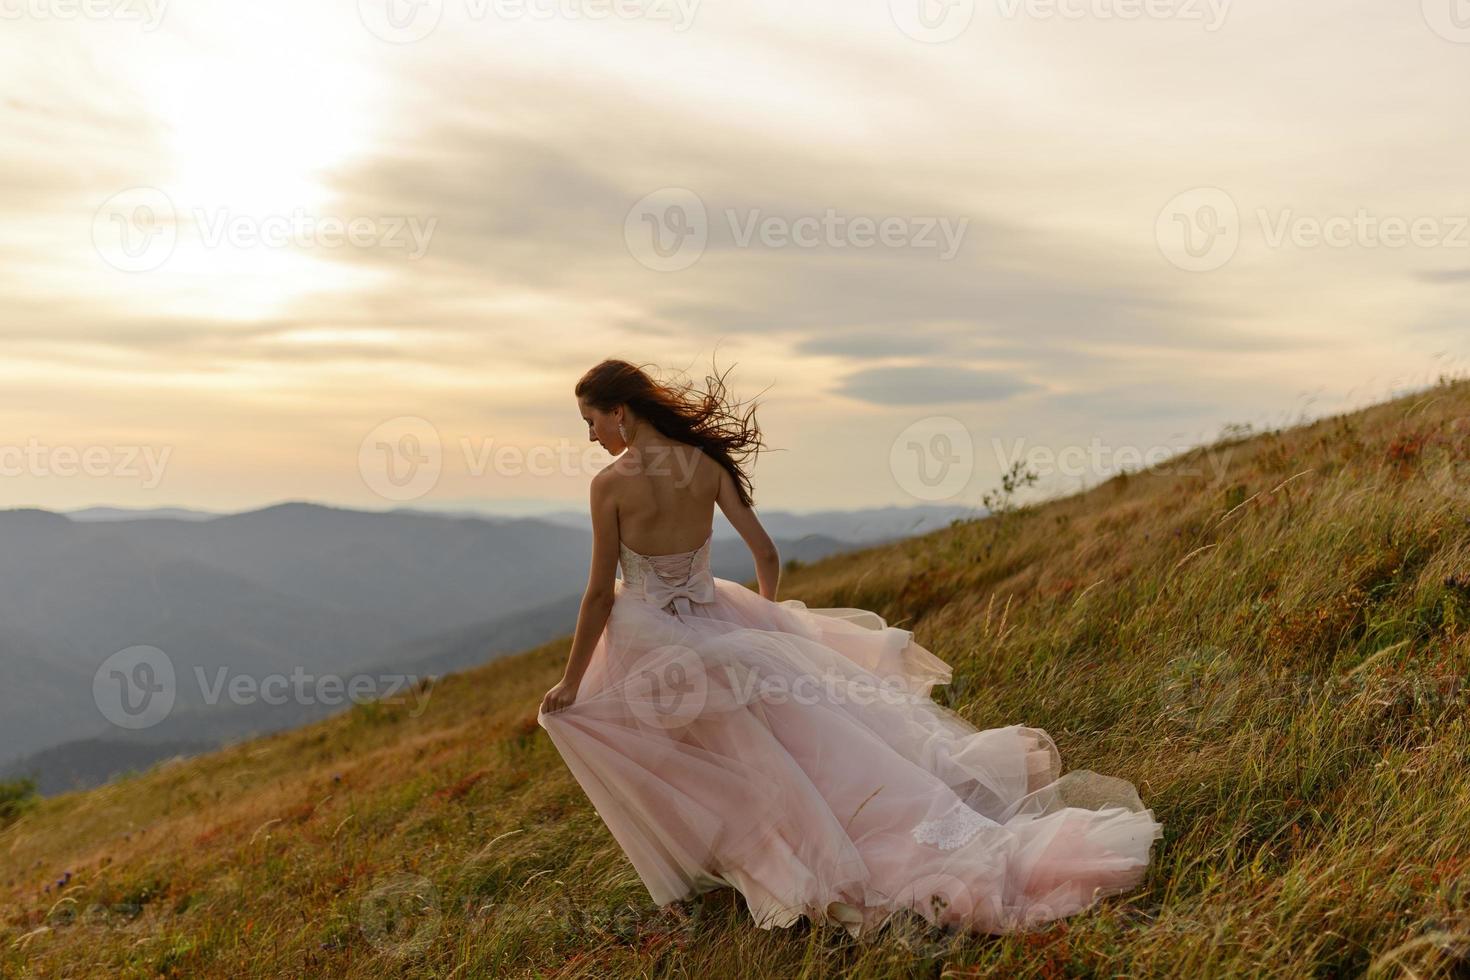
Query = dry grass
x=1277 y=659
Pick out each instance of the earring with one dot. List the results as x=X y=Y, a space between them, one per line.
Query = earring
x=622 y=433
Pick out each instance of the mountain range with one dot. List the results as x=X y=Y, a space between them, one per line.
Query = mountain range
x=300 y=587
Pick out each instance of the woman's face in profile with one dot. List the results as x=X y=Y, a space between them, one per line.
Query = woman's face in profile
x=602 y=427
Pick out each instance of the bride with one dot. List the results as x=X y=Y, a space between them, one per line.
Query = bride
x=728 y=739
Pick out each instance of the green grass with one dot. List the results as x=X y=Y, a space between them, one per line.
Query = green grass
x=16 y=795
x=1277 y=659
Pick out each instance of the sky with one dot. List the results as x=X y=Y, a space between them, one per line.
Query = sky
x=360 y=252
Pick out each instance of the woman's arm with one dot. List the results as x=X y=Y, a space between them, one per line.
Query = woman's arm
x=597 y=601
x=748 y=526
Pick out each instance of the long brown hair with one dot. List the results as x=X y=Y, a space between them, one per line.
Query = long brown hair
x=681 y=412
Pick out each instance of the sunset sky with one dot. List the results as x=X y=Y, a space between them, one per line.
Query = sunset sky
x=251 y=251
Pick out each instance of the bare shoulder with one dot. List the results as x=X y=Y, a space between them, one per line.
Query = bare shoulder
x=607 y=479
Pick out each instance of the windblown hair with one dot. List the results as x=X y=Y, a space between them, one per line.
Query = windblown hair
x=681 y=412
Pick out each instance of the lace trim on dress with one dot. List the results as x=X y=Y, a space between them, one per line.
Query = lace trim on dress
x=955 y=829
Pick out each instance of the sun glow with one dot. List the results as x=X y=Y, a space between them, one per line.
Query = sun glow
x=254 y=112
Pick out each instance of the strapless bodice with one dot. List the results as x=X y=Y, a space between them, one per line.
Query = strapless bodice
x=670 y=582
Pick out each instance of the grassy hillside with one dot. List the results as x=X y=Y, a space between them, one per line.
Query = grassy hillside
x=1276 y=658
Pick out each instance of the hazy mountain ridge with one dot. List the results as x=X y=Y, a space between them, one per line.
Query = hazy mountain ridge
x=294 y=586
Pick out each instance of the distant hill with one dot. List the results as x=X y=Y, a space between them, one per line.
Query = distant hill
x=140 y=513
x=295 y=586
x=866 y=526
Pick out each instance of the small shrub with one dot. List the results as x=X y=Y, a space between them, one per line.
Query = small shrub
x=16 y=796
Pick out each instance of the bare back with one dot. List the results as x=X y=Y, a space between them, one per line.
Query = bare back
x=667 y=505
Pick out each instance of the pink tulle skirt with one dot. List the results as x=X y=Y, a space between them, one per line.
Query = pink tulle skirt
x=795 y=754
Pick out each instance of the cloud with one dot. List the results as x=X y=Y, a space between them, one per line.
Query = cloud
x=1445 y=276
x=930 y=385
x=538 y=211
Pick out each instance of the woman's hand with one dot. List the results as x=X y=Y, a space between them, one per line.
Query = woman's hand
x=560 y=696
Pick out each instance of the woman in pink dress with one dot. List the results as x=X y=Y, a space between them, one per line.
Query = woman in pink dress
x=794 y=753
